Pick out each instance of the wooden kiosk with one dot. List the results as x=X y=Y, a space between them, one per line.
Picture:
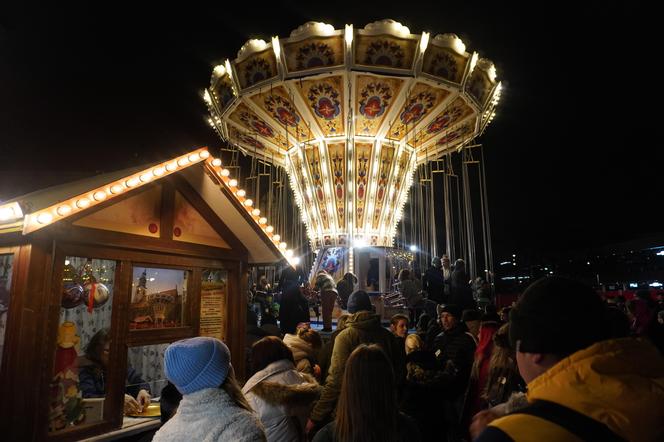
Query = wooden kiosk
x=151 y=255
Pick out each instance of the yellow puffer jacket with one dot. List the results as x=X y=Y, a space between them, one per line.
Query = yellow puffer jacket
x=619 y=382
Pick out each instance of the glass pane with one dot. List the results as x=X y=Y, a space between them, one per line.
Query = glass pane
x=145 y=371
x=213 y=303
x=158 y=298
x=82 y=348
x=5 y=288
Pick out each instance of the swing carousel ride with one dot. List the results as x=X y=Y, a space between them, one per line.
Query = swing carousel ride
x=350 y=115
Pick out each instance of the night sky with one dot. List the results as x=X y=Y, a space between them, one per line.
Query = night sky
x=572 y=156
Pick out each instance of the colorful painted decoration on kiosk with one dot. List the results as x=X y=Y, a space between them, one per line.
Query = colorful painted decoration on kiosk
x=157 y=298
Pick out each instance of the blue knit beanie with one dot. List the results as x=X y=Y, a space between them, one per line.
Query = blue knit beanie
x=359 y=301
x=197 y=363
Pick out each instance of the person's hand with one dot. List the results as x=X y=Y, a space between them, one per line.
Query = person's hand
x=130 y=405
x=480 y=421
x=143 y=398
x=309 y=427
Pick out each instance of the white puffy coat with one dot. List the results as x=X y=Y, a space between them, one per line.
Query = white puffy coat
x=283 y=398
x=210 y=415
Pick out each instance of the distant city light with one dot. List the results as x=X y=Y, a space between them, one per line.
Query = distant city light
x=660 y=253
x=588 y=262
x=633 y=285
x=505 y=263
x=550 y=273
x=513 y=256
x=413 y=248
x=656 y=284
x=507 y=278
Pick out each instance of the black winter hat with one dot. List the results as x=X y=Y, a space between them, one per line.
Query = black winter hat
x=556 y=315
x=452 y=309
x=359 y=301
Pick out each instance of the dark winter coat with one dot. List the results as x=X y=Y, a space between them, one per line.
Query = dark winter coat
x=294 y=309
x=92 y=382
x=455 y=351
x=433 y=283
x=422 y=394
x=362 y=328
x=325 y=355
x=461 y=293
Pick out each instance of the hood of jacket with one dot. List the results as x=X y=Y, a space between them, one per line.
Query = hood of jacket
x=619 y=382
x=364 y=320
x=301 y=349
x=280 y=384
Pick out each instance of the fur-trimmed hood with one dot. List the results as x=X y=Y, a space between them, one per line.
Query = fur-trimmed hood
x=280 y=384
x=293 y=395
x=301 y=349
x=283 y=398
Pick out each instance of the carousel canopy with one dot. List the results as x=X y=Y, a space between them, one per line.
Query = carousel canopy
x=349 y=114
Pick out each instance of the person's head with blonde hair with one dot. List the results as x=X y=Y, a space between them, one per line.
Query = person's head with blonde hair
x=413 y=343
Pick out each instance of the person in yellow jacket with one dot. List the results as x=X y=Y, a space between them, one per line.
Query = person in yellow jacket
x=581 y=386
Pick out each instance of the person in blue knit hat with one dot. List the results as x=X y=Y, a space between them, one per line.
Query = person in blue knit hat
x=213 y=407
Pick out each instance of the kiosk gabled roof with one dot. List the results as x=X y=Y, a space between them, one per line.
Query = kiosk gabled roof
x=45 y=207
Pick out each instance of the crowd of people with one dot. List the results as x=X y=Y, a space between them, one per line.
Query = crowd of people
x=560 y=364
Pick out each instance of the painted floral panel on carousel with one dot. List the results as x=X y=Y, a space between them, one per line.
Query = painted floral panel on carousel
x=158 y=298
x=78 y=385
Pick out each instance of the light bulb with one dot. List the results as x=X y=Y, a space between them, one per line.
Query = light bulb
x=255 y=212
x=249 y=203
x=269 y=229
x=263 y=220
x=194 y=157
x=116 y=188
x=276 y=238
x=44 y=218
x=283 y=246
x=241 y=193
x=216 y=162
x=225 y=172
x=158 y=171
x=204 y=154
x=233 y=183
x=145 y=177
x=183 y=162
x=99 y=195
x=171 y=166
x=64 y=210
x=132 y=182
x=82 y=203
